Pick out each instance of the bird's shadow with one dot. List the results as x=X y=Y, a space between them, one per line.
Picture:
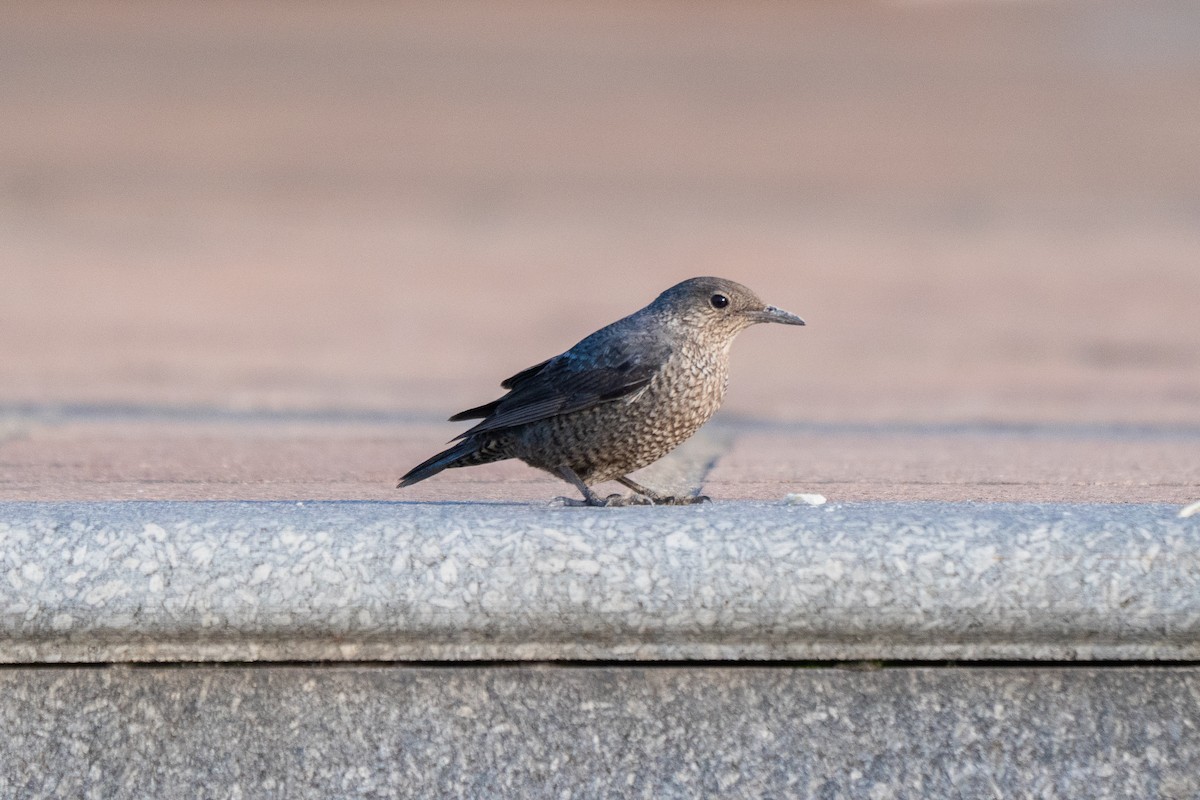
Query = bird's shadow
x=468 y=503
x=535 y=506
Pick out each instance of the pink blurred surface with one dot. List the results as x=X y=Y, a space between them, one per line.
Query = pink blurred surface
x=987 y=212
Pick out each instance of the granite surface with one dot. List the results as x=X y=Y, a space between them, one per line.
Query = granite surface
x=621 y=732
x=97 y=582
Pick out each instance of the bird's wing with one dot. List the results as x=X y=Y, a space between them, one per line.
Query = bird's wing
x=523 y=375
x=479 y=412
x=580 y=378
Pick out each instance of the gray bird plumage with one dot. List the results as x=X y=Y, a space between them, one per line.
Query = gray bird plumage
x=620 y=399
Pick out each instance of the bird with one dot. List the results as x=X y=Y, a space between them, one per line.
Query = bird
x=620 y=399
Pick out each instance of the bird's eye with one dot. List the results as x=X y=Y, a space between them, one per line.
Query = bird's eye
x=719 y=301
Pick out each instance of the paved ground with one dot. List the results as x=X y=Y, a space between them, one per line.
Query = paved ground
x=255 y=252
x=287 y=457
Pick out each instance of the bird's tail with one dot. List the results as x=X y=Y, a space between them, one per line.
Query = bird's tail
x=467 y=453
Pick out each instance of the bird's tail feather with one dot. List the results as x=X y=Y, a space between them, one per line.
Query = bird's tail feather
x=466 y=453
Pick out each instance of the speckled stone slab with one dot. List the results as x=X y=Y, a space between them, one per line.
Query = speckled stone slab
x=99 y=582
x=599 y=732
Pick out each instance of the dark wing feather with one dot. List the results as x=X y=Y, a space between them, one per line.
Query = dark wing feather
x=523 y=375
x=478 y=412
x=485 y=410
x=588 y=374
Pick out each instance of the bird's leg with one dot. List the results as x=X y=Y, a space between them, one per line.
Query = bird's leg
x=590 y=498
x=645 y=491
x=662 y=500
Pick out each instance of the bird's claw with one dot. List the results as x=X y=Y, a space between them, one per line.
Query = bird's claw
x=569 y=502
x=622 y=501
x=612 y=501
x=686 y=500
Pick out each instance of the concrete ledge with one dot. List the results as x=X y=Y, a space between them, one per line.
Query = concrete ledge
x=396 y=581
x=613 y=732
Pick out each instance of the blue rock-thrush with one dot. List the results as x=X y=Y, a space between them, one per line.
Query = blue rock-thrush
x=618 y=400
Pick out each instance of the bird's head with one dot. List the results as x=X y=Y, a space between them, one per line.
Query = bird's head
x=718 y=306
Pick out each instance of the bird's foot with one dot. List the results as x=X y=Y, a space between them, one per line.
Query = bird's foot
x=687 y=500
x=646 y=495
x=612 y=501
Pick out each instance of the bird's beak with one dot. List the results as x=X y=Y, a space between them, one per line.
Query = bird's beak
x=773 y=314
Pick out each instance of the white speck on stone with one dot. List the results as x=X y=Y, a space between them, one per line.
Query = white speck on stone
x=642 y=580
x=576 y=592
x=550 y=564
x=464 y=711
x=32 y=573
x=805 y=499
x=1151 y=554
x=981 y=559
x=62 y=622
x=573 y=540
x=835 y=569
x=448 y=571
x=155 y=532
x=680 y=541
x=584 y=565
x=1189 y=511
x=260 y=574
x=104 y=592
x=155 y=584
x=727 y=781
x=201 y=554
x=881 y=791
x=592 y=705
x=781 y=549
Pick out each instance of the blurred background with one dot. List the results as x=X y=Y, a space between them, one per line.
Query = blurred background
x=985 y=210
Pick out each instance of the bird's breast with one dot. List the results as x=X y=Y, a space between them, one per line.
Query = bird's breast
x=687 y=391
x=616 y=438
